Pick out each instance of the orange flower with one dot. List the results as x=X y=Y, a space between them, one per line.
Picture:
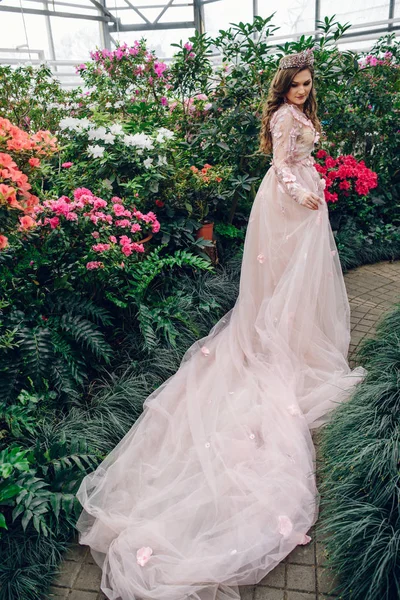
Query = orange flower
x=194 y=169
x=207 y=166
x=3 y=242
x=218 y=179
x=27 y=222
x=204 y=171
x=7 y=192
x=34 y=162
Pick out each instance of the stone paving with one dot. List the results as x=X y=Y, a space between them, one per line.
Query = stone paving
x=303 y=575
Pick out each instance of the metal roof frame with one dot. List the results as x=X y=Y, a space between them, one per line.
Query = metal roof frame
x=110 y=22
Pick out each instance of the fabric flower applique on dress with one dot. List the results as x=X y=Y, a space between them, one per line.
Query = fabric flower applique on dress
x=304 y=540
x=294 y=410
x=261 y=258
x=285 y=525
x=205 y=351
x=285 y=129
x=143 y=555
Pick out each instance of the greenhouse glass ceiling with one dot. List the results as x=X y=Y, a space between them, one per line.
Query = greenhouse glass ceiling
x=63 y=32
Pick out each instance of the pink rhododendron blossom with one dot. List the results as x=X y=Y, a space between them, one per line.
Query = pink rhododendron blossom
x=26 y=222
x=155 y=227
x=124 y=239
x=3 y=242
x=113 y=239
x=116 y=200
x=94 y=264
x=135 y=227
x=159 y=68
x=101 y=247
x=67 y=165
x=98 y=203
x=188 y=46
x=127 y=249
x=118 y=209
x=95 y=234
x=80 y=191
x=123 y=223
x=53 y=222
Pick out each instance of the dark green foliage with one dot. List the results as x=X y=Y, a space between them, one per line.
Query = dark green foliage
x=356 y=248
x=59 y=348
x=361 y=477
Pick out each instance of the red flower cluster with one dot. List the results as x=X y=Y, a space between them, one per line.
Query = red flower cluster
x=346 y=174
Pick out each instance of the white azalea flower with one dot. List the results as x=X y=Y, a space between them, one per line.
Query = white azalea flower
x=108 y=138
x=147 y=162
x=162 y=160
x=95 y=151
x=140 y=140
x=117 y=129
x=97 y=134
x=108 y=104
x=67 y=123
x=119 y=103
x=166 y=133
x=82 y=124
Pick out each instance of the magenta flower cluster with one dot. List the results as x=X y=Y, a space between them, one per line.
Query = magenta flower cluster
x=108 y=58
x=112 y=221
x=373 y=61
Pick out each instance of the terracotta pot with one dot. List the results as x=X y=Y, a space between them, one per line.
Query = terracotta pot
x=146 y=239
x=205 y=231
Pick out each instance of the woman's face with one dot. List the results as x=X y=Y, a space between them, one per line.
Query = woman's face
x=300 y=88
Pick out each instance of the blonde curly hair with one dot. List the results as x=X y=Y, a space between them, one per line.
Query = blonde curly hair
x=279 y=87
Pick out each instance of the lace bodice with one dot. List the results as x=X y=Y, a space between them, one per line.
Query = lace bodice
x=293 y=139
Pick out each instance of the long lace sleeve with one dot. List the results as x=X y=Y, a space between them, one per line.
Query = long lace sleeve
x=283 y=129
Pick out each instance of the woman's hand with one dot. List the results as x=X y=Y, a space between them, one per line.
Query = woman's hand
x=311 y=200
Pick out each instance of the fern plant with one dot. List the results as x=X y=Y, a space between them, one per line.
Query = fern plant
x=59 y=347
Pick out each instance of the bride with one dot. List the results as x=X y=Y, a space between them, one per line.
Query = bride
x=214 y=484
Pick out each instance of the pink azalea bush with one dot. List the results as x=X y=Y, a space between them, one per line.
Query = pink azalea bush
x=112 y=231
x=126 y=76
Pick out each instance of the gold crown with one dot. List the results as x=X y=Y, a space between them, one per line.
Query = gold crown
x=301 y=59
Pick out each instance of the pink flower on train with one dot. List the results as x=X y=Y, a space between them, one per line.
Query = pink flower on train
x=285 y=525
x=205 y=351
x=333 y=252
x=305 y=540
x=261 y=258
x=143 y=555
x=294 y=410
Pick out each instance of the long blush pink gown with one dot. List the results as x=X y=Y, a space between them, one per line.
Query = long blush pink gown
x=214 y=484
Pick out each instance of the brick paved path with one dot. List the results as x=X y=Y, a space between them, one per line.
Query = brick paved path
x=372 y=290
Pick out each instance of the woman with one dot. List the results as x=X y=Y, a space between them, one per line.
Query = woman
x=214 y=484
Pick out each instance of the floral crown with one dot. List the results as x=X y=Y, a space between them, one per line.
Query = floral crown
x=301 y=59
